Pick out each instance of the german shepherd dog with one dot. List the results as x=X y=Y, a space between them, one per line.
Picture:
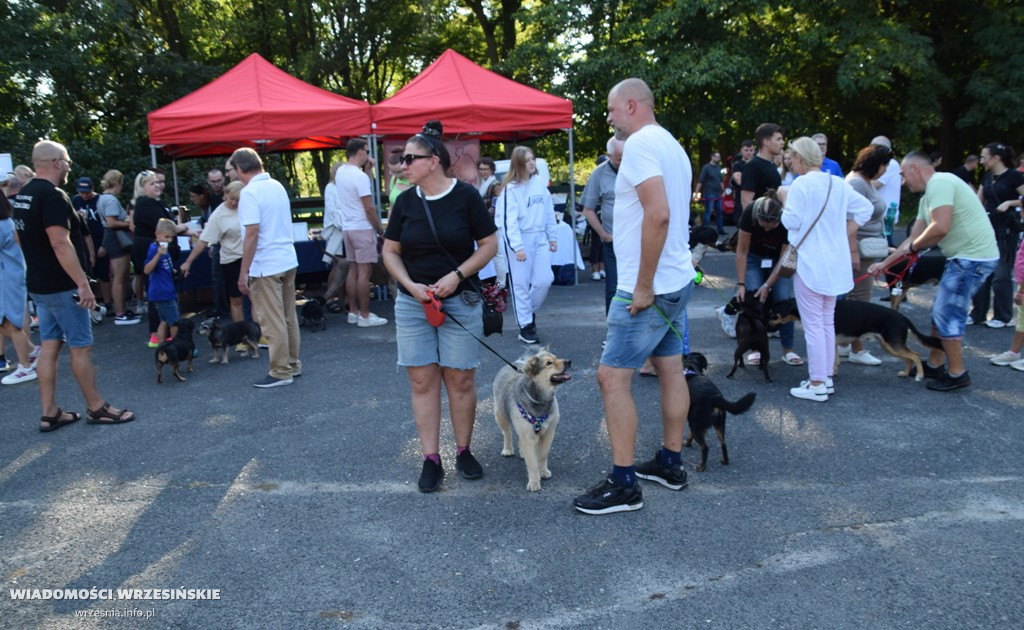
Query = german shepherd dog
x=708 y=407
x=751 y=334
x=525 y=399
x=179 y=348
x=223 y=337
x=855 y=319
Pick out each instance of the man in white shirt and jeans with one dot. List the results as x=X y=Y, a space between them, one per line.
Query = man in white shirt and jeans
x=647 y=317
x=269 y=264
x=362 y=226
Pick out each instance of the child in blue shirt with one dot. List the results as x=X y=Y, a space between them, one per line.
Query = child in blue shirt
x=160 y=270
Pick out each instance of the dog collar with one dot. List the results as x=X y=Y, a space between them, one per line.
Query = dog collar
x=689 y=372
x=536 y=421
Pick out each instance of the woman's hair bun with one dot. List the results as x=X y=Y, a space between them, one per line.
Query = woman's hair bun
x=767 y=207
x=433 y=129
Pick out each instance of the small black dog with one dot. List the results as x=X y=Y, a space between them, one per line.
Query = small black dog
x=855 y=319
x=223 y=337
x=751 y=334
x=708 y=407
x=928 y=270
x=701 y=240
x=178 y=349
x=313 y=313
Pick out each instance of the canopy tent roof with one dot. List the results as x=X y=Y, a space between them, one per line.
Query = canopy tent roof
x=469 y=99
x=256 y=105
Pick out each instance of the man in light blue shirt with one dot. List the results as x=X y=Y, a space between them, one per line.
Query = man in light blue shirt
x=827 y=165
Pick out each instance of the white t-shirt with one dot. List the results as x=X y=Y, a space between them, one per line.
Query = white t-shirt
x=352 y=185
x=264 y=202
x=889 y=191
x=653 y=152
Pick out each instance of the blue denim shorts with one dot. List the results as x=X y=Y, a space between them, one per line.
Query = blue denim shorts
x=167 y=310
x=448 y=345
x=961 y=279
x=656 y=331
x=62 y=319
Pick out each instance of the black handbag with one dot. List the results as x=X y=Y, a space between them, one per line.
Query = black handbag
x=492 y=317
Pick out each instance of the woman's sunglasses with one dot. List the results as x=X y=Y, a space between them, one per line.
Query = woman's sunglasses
x=409 y=158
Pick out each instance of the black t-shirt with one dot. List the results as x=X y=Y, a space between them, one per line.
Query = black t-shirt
x=964 y=174
x=147 y=213
x=92 y=217
x=38 y=206
x=1000 y=189
x=763 y=243
x=461 y=220
x=759 y=175
x=737 y=167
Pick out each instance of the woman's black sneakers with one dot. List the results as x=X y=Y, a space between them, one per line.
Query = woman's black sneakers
x=431 y=476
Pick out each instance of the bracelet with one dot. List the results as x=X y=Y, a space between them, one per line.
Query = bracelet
x=459 y=274
x=912 y=250
x=740 y=284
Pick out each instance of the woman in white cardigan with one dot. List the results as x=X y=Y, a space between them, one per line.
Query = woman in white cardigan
x=525 y=217
x=827 y=257
x=332 y=235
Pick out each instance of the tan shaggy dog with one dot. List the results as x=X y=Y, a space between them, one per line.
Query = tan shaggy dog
x=526 y=400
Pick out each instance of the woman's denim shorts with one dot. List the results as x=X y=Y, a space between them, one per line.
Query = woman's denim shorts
x=448 y=345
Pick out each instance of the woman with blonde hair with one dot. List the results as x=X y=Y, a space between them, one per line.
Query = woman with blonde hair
x=116 y=231
x=525 y=217
x=815 y=214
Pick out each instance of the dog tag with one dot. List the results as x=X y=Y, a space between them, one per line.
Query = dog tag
x=766 y=263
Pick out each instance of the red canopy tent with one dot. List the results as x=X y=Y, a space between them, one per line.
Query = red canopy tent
x=255 y=104
x=469 y=99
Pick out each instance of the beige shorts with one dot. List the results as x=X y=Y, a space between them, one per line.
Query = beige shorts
x=361 y=246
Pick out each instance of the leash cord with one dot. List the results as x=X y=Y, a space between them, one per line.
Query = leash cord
x=482 y=342
x=898 y=279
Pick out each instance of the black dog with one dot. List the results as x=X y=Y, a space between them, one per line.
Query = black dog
x=701 y=240
x=708 y=407
x=855 y=319
x=313 y=313
x=928 y=270
x=751 y=334
x=223 y=337
x=178 y=349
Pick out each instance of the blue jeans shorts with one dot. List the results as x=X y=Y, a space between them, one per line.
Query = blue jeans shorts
x=448 y=345
x=62 y=319
x=961 y=279
x=167 y=310
x=656 y=331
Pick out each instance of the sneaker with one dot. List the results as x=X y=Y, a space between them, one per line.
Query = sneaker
x=353 y=318
x=863 y=358
x=270 y=381
x=430 y=476
x=97 y=314
x=608 y=497
x=153 y=341
x=370 y=321
x=595 y=276
x=947 y=383
x=468 y=467
x=1005 y=358
x=21 y=375
x=843 y=351
x=996 y=323
x=728 y=322
x=654 y=470
x=33 y=356
x=929 y=371
x=830 y=387
x=1018 y=365
x=263 y=343
x=5 y=365
x=528 y=334
x=817 y=393
x=970 y=321
x=603 y=275
x=126 y=318
x=241 y=348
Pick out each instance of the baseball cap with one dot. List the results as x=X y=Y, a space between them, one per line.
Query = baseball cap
x=84 y=184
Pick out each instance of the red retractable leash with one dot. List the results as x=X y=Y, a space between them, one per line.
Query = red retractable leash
x=897 y=281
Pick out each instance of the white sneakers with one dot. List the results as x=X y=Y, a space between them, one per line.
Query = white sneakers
x=863 y=358
x=595 y=276
x=817 y=393
x=996 y=323
x=1018 y=365
x=1006 y=358
x=843 y=351
x=353 y=318
x=371 y=320
x=728 y=321
x=21 y=375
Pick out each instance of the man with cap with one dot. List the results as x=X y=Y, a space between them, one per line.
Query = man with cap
x=85 y=204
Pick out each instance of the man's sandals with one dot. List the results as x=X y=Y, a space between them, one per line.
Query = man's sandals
x=52 y=423
x=103 y=415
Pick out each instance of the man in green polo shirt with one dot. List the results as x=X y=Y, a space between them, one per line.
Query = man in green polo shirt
x=950 y=216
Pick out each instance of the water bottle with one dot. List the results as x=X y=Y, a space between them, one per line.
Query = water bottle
x=890 y=218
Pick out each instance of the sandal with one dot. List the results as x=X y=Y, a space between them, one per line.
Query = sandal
x=55 y=422
x=792 y=358
x=103 y=415
x=334 y=306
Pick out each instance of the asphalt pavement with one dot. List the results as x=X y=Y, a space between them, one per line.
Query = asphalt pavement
x=888 y=506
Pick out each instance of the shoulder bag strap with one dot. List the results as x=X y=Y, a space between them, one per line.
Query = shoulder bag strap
x=820 y=212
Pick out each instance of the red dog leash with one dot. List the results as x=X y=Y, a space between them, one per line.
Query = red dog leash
x=912 y=258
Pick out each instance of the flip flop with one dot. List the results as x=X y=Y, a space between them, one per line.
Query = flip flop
x=55 y=422
x=754 y=358
x=334 y=306
x=103 y=415
x=792 y=358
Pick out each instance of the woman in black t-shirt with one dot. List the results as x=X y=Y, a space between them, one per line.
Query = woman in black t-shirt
x=1000 y=192
x=422 y=266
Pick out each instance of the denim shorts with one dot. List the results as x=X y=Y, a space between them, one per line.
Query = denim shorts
x=167 y=310
x=961 y=279
x=632 y=339
x=62 y=319
x=448 y=345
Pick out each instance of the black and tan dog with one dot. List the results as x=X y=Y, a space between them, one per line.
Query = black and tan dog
x=855 y=320
x=223 y=337
x=525 y=399
x=751 y=334
x=178 y=349
x=701 y=240
x=927 y=270
x=708 y=408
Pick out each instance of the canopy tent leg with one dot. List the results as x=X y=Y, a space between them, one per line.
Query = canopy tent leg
x=376 y=188
x=572 y=209
x=174 y=171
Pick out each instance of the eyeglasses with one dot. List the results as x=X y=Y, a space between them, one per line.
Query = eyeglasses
x=63 y=159
x=409 y=158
